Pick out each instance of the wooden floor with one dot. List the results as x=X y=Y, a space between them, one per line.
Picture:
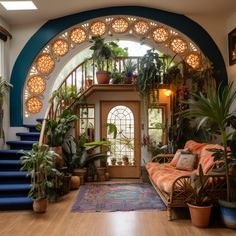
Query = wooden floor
x=58 y=221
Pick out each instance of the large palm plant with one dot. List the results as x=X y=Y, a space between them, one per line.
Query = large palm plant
x=216 y=111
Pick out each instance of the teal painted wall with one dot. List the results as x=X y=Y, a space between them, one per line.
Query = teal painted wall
x=53 y=27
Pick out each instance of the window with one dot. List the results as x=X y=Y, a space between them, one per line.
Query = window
x=122 y=117
x=87 y=121
x=157 y=124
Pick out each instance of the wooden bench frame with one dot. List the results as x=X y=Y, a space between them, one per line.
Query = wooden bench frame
x=179 y=195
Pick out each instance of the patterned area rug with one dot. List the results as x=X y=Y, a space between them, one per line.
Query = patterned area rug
x=117 y=197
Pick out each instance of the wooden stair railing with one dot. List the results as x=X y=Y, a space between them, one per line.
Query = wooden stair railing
x=76 y=81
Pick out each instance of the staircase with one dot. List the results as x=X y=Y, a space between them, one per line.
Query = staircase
x=15 y=184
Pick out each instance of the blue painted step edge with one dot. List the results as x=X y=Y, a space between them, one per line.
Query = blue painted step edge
x=16 y=203
x=30 y=136
x=14 y=187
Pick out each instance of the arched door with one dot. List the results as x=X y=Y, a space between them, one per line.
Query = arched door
x=125 y=116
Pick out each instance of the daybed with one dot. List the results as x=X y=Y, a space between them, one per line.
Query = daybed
x=171 y=172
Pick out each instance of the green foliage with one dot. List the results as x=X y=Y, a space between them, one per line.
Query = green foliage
x=56 y=129
x=130 y=66
x=216 y=111
x=79 y=154
x=198 y=188
x=102 y=51
x=39 y=162
x=150 y=72
x=117 y=78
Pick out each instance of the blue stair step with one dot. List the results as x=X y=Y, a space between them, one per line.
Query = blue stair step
x=8 y=190
x=14 y=177
x=15 y=184
x=10 y=154
x=32 y=128
x=30 y=136
x=8 y=165
x=26 y=145
x=16 y=203
x=40 y=120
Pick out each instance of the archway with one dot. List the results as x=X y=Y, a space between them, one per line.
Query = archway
x=54 y=27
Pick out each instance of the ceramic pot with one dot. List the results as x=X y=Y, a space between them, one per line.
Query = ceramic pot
x=228 y=213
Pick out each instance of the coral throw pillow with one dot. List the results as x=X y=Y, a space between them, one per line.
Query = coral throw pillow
x=186 y=161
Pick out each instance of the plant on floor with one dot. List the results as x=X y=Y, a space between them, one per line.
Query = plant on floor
x=4 y=88
x=79 y=153
x=199 y=202
x=217 y=112
x=39 y=162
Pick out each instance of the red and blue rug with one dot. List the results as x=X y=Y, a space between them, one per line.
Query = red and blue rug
x=117 y=197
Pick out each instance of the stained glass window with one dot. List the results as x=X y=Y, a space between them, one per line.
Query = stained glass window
x=123 y=145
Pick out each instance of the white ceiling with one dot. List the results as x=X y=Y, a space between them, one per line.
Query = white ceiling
x=49 y=9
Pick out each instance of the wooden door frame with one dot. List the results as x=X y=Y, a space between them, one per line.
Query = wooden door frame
x=131 y=171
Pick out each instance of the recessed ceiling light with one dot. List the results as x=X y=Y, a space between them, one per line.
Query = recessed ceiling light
x=18 y=5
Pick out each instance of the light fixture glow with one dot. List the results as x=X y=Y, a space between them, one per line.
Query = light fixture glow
x=18 y=5
x=167 y=92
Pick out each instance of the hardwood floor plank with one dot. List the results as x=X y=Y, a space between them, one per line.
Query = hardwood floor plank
x=59 y=221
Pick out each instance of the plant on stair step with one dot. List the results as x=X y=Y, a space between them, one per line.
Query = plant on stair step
x=4 y=88
x=39 y=162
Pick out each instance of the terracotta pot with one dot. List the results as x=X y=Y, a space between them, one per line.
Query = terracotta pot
x=200 y=215
x=74 y=182
x=103 y=77
x=40 y=205
x=82 y=173
x=88 y=83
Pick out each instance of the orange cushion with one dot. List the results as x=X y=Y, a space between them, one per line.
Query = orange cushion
x=206 y=158
x=194 y=146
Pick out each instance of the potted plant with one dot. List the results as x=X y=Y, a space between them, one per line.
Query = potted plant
x=39 y=163
x=57 y=128
x=150 y=74
x=102 y=53
x=78 y=155
x=89 y=81
x=4 y=87
x=217 y=112
x=117 y=78
x=171 y=72
x=129 y=69
x=199 y=205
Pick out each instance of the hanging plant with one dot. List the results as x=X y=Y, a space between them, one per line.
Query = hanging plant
x=150 y=74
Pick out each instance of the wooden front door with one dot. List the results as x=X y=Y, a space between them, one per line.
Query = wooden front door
x=126 y=116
